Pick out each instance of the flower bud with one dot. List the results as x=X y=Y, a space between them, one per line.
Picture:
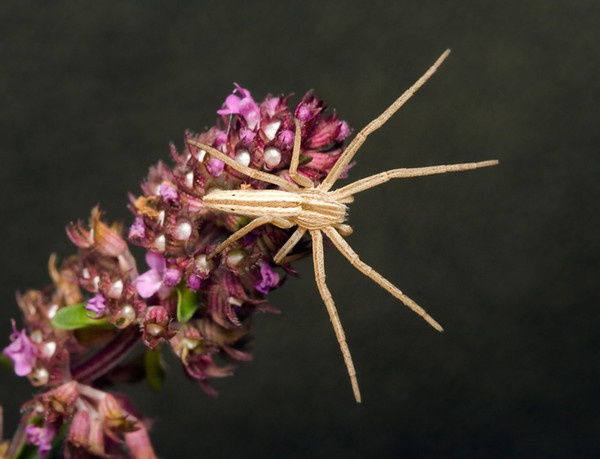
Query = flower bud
x=114 y=417
x=79 y=432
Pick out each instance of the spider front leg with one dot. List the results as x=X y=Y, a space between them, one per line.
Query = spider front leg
x=360 y=138
x=252 y=173
x=319 y=265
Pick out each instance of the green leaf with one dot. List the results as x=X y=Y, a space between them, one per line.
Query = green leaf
x=187 y=303
x=155 y=370
x=76 y=316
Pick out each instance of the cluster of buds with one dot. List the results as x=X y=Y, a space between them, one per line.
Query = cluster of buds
x=78 y=331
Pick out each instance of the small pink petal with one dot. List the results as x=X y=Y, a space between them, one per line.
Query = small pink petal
x=156 y=261
x=148 y=284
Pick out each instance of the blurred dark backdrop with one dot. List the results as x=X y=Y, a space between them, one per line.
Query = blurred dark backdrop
x=506 y=258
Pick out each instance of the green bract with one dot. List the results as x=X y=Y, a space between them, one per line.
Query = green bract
x=74 y=317
x=187 y=303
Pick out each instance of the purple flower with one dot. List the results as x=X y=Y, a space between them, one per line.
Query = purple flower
x=22 y=351
x=194 y=282
x=286 y=137
x=344 y=131
x=215 y=167
x=247 y=135
x=244 y=106
x=168 y=191
x=151 y=281
x=269 y=278
x=303 y=113
x=271 y=105
x=41 y=437
x=137 y=229
x=97 y=304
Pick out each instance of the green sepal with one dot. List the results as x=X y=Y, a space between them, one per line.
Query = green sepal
x=74 y=317
x=28 y=452
x=6 y=363
x=155 y=368
x=187 y=303
x=304 y=159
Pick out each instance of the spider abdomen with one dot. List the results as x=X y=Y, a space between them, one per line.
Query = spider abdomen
x=255 y=203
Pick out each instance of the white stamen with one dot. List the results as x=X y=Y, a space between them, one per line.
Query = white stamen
x=234 y=257
x=161 y=217
x=183 y=231
x=189 y=179
x=271 y=129
x=52 y=311
x=243 y=157
x=272 y=157
x=96 y=282
x=203 y=266
x=201 y=155
x=232 y=300
x=36 y=336
x=85 y=273
x=160 y=243
x=116 y=289
x=49 y=348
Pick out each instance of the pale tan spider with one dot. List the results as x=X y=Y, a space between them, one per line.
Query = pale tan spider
x=317 y=210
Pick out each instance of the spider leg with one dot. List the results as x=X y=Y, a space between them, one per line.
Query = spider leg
x=351 y=255
x=319 y=265
x=281 y=256
x=378 y=179
x=252 y=173
x=359 y=139
x=280 y=222
x=301 y=180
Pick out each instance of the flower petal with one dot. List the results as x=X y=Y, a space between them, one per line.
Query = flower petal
x=148 y=284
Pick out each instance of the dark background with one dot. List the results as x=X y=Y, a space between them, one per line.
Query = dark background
x=506 y=258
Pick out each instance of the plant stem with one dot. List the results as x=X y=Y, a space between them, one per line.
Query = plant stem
x=107 y=358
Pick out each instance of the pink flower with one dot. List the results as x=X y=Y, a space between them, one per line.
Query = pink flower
x=244 y=106
x=215 y=167
x=41 y=437
x=168 y=192
x=97 y=304
x=269 y=278
x=151 y=281
x=137 y=230
x=286 y=137
x=22 y=351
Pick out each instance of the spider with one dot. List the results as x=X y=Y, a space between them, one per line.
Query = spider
x=317 y=210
